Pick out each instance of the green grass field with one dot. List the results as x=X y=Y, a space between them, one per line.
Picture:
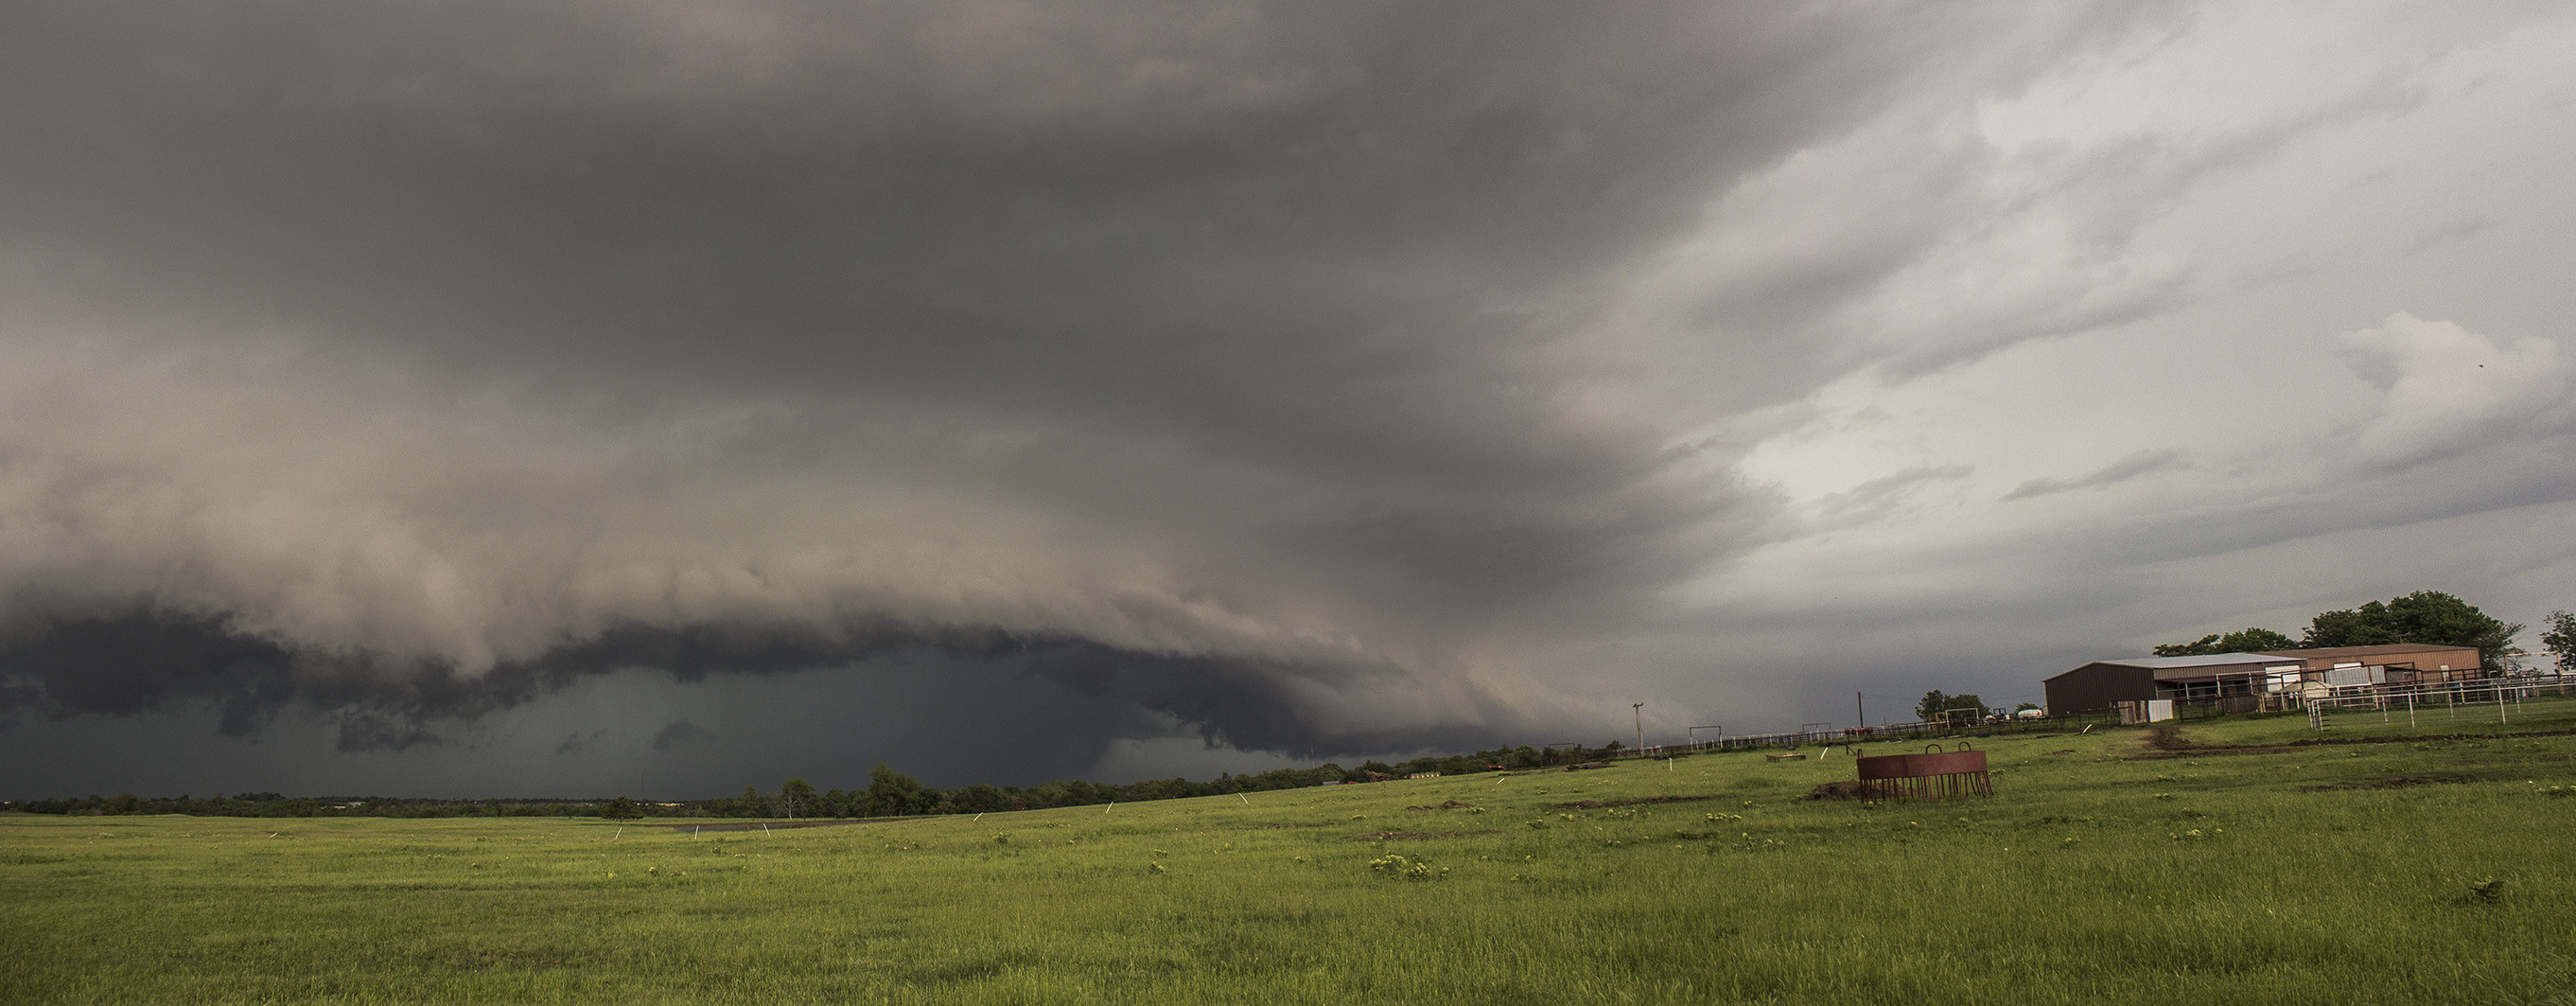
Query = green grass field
x=2407 y=868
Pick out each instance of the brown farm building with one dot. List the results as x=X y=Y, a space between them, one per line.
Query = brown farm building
x=2098 y=685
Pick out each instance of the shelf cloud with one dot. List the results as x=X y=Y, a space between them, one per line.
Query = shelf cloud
x=1304 y=378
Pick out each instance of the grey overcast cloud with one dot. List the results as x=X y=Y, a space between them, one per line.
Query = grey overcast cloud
x=559 y=397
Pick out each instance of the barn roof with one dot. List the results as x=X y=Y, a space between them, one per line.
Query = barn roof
x=2201 y=660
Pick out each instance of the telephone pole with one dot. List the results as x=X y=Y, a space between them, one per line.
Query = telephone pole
x=1639 y=708
x=1861 y=710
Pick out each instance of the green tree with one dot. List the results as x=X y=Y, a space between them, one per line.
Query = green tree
x=2247 y=640
x=892 y=793
x=2561 y=639
x=2425 y=616
x=980 y=798
x=795 y=797
x=1937 y=705
x=622 y=809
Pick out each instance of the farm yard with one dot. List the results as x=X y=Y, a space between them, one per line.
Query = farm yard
x=2239 y=860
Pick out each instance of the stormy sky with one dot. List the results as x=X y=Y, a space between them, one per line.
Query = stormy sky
x=566 y=397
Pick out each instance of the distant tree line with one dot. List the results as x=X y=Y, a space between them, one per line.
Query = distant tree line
x=888 y=794
x=2425 y=616
x=274 y=805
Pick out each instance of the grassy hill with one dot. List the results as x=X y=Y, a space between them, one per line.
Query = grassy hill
x=2222 y=862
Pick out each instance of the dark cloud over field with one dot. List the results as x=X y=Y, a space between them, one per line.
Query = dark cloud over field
x=1302 y=378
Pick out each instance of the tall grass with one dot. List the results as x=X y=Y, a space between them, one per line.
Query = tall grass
x=2101 y=871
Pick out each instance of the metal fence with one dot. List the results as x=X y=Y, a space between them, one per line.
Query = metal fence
x=2502 y=698
x=2374 y=697
x=2453 y=698
x=2499 y=696
x=1862 y=735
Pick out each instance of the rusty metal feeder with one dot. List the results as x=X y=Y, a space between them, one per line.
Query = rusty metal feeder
x=1933 y=775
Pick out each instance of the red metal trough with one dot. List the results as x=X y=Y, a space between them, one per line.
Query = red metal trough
x=1932 y=775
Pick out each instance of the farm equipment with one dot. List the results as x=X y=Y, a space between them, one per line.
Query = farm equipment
x=1934 y=774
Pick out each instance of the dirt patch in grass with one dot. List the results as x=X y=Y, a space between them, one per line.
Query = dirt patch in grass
x=1446 y=805
x=762 y=825
x=1544 y=771
x=2168 y=743
x=1631 y=802
x=1846 y=789
x=1412 y=836
x=2392 y=782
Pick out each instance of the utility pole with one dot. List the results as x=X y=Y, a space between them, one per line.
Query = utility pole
x=1861 y=710
x=1639 y=708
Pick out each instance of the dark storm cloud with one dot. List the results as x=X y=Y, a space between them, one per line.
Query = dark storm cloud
x=136 y=661
x=679 y=735
x=1003 y=201
x=129 y=662
x=427 y=358
x=372 y=732
x=1252 y=706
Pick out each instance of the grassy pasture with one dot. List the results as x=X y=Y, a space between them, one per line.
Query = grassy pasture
x=2106 y=869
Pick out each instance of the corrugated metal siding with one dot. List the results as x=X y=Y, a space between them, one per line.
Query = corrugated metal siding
x=2095 y=687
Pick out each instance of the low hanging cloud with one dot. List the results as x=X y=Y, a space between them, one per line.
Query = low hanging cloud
x=681 y=735
x=1878 y=496
x=413 y=362
x=2130 y=467
x=2443 y=387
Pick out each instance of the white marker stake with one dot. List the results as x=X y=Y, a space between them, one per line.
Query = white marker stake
x=1247 y=801
x=979 y=815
